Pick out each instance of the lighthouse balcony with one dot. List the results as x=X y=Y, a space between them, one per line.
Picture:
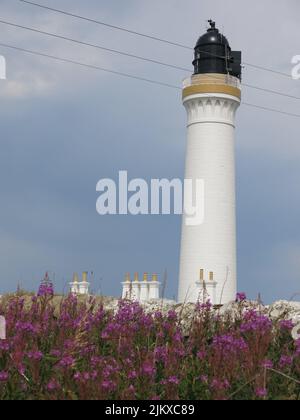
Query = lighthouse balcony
x=212 y=78
x=212 y=83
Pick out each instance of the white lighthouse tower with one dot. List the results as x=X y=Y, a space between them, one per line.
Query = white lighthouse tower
x=211 y=98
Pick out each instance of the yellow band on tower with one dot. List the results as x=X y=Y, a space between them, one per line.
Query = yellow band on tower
x=211 y=88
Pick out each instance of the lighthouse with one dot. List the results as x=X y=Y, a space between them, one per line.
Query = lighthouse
x=211 y=97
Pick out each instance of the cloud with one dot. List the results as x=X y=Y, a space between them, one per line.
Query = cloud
x=21 y=89
x=276 y=276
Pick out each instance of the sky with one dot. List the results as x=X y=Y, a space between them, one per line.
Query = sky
x=64 y=127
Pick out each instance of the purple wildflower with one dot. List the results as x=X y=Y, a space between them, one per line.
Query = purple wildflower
x=253 y=321
x=172 y=315
x=77 y=376
x=207 y=306
x=4 y=346
x=173 y=380
x=55 y=353
x=286 y=325
x=285 y=361
x=86 y=376
x=268 y=364
x=66 y=362
x=204 y=379
x=261 y=392
x=132 y=375
x=4 y=376
x=148 y=369
x=201 y=355
x=229 y=344
x=53 y=385
x=220 y=385
x=108 y=385
x=241 y=297
x=46 y=290
x=161 y=354
x=35 y=355
x=27 y=327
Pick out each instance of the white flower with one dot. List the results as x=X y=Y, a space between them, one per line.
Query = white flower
x=296 y=332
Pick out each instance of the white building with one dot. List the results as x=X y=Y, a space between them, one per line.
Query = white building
x=141 y=291
x=80 y=287
x=211 y=98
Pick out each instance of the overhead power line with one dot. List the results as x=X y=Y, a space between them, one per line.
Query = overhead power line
x=127 y=75
x=274 y=92
x=165 y=41
x=90 y=66
x=264 y=108
x=279 y=73
x=122 y=53
x=98 y=22
x=88 y=44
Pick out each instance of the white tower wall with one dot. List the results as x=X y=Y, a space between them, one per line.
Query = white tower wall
x=154 y=286
x=136 y=288
x=127 y=287
x=144 y=289
x=210 y=156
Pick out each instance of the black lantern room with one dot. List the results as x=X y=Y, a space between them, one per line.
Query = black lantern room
x=213 y=54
